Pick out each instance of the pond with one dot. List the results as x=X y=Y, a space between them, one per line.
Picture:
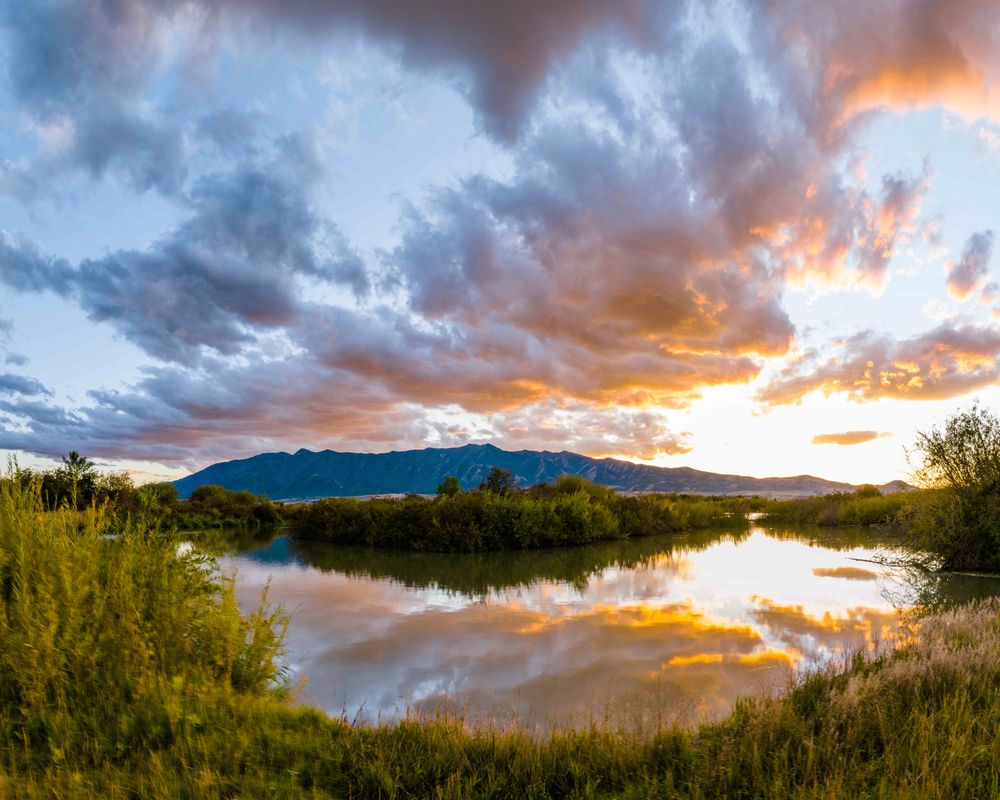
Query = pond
x=636 y=633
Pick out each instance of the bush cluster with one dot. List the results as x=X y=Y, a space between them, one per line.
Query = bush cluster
x=865 y=507
x=77 y=485
x=572 y=511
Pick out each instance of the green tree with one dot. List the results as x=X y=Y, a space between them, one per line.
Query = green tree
x=498 y=481
x=78 y=476
x=960 y=461
x=449 y=487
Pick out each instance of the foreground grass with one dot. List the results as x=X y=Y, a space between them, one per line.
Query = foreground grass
x=127 y=671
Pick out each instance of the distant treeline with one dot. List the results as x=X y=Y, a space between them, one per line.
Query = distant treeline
x=498 y=516
x=78 y=485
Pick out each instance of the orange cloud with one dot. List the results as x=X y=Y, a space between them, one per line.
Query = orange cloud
x=942 y=363
x=848 y=437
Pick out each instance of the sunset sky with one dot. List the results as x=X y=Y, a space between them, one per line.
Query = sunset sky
x=750 y=237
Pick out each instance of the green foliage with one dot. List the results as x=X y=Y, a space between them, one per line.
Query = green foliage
x=865 y=506
x=498 y=481
x=572 y=512
x=959 y=521
x=111 y=640
x=77 y=485
x=449 y=487
x=212 y=506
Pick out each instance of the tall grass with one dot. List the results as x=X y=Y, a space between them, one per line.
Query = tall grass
x=111 y=639
x=126 y=670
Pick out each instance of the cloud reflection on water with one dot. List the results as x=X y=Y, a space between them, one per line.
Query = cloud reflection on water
x=677 y=632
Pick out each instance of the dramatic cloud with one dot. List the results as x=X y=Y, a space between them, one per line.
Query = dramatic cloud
x=223 y=276
x=666 y=172
x=969 y=275
x=848 y=437
x=846 y=237
x=900 y=54
x=945 y=362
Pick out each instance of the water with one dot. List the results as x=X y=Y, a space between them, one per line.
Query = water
x=636 y=633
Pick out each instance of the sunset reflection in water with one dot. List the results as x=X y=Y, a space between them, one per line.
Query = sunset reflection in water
x=637 y=632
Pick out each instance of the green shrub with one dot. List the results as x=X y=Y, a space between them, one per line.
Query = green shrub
x=571 y=512
x=110 y=638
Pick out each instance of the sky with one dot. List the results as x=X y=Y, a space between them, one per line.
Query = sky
x=750 y=237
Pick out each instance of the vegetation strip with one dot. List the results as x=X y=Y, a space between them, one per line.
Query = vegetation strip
x=126 y=670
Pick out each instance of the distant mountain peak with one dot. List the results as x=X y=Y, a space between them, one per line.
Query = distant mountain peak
x=308 y=474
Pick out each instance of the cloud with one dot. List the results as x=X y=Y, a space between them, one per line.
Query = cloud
x=900 y=54
x=192 y=417
x=223 y=277
x=24 y=268
x=945 y=362
x=21 y=385
x=599 y=432
x=666 y=180
x=75 y=68
x=845 y=237
x=500 y=54
x=969 y=275
x=64 y=55
x=848 y=437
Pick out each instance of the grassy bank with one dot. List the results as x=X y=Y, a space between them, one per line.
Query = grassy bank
x=573 y=511
x=126 y=670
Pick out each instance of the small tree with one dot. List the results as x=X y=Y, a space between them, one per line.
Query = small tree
x=449 y=487
x=961 y=462
x=78 y=475
x=498 y=481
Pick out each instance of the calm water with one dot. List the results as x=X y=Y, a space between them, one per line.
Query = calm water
x=637 y=632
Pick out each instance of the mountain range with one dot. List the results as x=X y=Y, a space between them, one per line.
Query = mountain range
x=306 y=475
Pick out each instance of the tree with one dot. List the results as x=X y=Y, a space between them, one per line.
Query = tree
x=498 y=481
x=72 y=483
x=964 y=455
x=449 y=487
x=960 y=462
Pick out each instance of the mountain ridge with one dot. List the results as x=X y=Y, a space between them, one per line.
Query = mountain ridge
x=310 y=474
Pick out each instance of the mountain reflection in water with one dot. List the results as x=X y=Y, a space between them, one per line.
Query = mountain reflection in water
x=637 y=632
